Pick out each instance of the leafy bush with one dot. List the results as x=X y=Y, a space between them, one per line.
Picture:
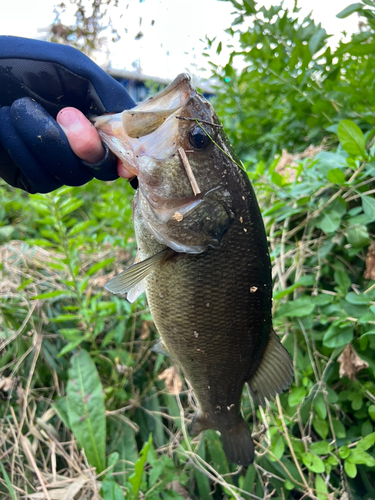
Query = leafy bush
x=76 y=371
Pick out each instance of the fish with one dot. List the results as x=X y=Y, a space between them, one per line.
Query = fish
x=203 y=258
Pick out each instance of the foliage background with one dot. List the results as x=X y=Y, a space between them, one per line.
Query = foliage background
x=76 y=370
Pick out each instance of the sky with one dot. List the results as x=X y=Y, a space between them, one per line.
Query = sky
x=173 y=31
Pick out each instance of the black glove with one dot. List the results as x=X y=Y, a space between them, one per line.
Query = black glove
x=37 y=80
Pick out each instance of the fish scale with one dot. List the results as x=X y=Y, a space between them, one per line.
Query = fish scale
x=217 y=324
x=204 y=260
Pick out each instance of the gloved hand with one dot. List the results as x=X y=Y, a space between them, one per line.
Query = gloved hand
x=37 y=80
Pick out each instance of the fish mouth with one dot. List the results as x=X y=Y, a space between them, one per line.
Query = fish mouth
x=130 y=134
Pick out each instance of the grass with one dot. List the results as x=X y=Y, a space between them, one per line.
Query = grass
x=59 y=250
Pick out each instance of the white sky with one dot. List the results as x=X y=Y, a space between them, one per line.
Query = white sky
x=173 y=44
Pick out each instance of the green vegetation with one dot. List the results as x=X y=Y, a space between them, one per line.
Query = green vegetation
x=76 y=371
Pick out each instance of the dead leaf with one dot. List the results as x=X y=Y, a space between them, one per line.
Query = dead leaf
x=350 y=362
x=178 y=488
x=172 y=380
x=145 y=329
x=7 y=386
x=369 y=274
x=287 y=163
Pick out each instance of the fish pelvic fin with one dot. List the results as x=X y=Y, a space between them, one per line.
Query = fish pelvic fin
x=128 y=279
x=200 y=423
x=237 y=444
x=159 y=348
x=274 y=374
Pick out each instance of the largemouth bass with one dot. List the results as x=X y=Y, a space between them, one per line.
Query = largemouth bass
x=203 y=258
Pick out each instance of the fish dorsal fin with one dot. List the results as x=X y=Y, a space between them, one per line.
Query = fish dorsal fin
x=274 y=374
x=128 y=279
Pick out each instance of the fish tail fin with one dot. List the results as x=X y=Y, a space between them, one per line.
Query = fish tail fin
x=275 y=373
x=238 y=444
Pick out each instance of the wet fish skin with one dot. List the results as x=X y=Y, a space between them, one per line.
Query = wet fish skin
x=211 y=301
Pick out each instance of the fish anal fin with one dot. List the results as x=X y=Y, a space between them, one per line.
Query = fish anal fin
x=274 y=374
x=128 y=279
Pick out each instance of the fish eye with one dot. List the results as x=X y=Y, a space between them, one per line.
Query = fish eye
x=198 y=138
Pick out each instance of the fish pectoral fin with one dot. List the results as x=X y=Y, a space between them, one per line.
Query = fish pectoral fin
x=274 y=374
x=135 y=292
x=128 y=279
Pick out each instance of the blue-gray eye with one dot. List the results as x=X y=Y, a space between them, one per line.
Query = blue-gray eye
x=198 y=138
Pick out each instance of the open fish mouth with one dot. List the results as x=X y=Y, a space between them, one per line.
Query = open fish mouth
x=130 y=134
x=181 y=205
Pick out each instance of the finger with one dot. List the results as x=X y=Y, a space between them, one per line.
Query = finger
x=123 y=172
x=81 y=134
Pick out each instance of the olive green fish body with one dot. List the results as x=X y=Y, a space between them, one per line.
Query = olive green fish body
x=205 y=267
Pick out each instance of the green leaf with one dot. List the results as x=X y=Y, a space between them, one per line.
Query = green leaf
x=71 y=345
x=249 y=478
x=216 y=452
x=320 y=406
x=203 y=483
x=61 y=407
x=339 y=429
x=321 y=488
x=8 y=482
x=371 y=412
x=358 y=236
x=368 y=204
x=313 y=462
x=320 y=426
x=331 y=218
x=110 y=490
x=296 y=396
x=336 y=176
x=99 y=265
x=316 y=39
x=303 y=281
x=342 y=279
x=80 y=227
x=86 y=408
x=354 y=7
x=320 y=448
x=337 y=337
x=351 y=138
x=362 y=457
x=161 y=468
x=6 y=231
x=50 y=295
x=344 y=451
x=357 y=298
x=277 y=447
x=366 y=442
x=69 y=206
x=136 y=478
x=298 y=308
x=350 y=468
